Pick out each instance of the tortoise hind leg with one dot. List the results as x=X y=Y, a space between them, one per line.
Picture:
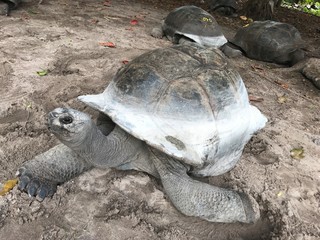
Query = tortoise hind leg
x=7 y=6
x=194 y=198
x=4 y=9
x=158 y=32
x=230 y=50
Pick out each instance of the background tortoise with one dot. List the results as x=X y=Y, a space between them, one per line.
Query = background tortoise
x=175 y=112
x=270 y=41
x=191 y=23
x=7 y=5
x=225 y=7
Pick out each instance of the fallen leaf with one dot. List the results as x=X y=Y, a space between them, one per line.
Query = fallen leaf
x=297 y=153
x=125 y=61
x=244 y=18
x=94 y=21
x=279 y=194
x=282 y=99
x=107 y=44
x=25 y=16
x=246 y=25
x=8 y=185
x=111 y=18
x=33 y=11
x=107 y=4
x=28 y=105
x=255 y=99
x=134 y=22
x=42 y=73
x=254 y=67
x=141 y=17
x=250 y=20
x=283 y=85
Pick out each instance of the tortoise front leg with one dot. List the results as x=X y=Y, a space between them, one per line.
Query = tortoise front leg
x=198 y=199
x=41 y=175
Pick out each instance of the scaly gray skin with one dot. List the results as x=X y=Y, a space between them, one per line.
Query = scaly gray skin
x=311 y=70
x=120 y=150
x=4 y=8
x=40 y=176
x=157 y=32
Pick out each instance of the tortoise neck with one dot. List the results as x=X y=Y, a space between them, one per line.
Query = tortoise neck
x=118 y=149
x=104 y=151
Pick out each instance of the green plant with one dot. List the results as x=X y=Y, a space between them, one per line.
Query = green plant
x=308 y=6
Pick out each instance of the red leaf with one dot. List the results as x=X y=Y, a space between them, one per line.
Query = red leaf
x=94 y=21
x=134 y=22
x=125 y=61
x=255 y=67
x=107 y=44
x=283 y=85
x=107 y=3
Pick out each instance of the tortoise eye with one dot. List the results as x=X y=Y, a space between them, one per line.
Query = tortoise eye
x=66 y=120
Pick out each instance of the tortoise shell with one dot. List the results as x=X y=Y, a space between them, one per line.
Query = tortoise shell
x=270 y=41
x=215 y=4
x=186 y=101
x=193 y=23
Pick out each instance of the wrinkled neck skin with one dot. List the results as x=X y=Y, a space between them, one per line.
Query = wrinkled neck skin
x=116 y=150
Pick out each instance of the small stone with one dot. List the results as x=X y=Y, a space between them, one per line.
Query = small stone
x=20 y=221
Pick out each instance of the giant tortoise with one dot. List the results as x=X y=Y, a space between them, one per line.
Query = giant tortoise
x=191 y=23
x=174 y=113
x=270 y=41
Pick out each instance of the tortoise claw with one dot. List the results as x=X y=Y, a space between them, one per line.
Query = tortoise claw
x=42 y=194
x=35 y=187
x=23 y=182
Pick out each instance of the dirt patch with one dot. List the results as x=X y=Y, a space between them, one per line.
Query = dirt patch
x=63 y=38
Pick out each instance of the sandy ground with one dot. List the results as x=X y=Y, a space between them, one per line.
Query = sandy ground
x=63 y=37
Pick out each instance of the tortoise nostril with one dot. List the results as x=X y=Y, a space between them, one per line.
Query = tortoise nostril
x=66 y=120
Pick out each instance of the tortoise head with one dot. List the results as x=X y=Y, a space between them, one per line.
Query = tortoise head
x=69 y=125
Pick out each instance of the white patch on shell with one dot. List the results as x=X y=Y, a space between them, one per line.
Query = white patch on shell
x=217 y=41
x=235 y=128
